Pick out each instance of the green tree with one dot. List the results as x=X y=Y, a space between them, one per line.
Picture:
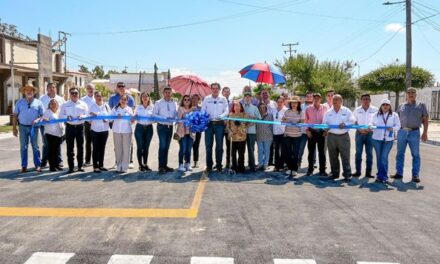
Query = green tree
x=156 y=83
x=392 y=78
x=103 y=89
x=98 y=72
x=83 y=68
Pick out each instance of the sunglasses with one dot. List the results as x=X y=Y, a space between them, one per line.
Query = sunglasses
x=74 y=93
x=121 y=86
x=411 y=92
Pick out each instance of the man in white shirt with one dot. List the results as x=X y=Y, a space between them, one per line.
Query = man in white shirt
x=74 y=108
x=363 y=115
x=165 y=108
x=217 y=107
x=89 y=100
x=51 y=93
x=338 y=139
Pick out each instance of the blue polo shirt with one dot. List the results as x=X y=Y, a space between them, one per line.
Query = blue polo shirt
x=114 y=101
x=28 y=112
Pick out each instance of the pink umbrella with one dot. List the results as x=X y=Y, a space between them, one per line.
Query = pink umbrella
x=190 y=84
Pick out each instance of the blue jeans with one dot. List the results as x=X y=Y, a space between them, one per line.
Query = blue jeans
x=302 y=146
x=45 y=150
x=143 y=135
x=186 y=144
x=412 y=138
x=361 y=141
x=165 y=133
x=25 y=134
x=215 y=130
x=382 y=149
x=263 y=152
x=250 y=144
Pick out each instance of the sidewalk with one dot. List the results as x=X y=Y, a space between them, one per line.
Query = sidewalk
x=434 y=133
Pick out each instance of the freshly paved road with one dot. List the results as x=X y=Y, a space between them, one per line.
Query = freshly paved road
x=250 y=218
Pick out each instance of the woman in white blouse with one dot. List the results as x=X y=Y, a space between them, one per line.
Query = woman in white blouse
x=278 y=134
x=143 y=133
x=383 y=138
x=122 y=133
x=99 y=130
x=54 y=134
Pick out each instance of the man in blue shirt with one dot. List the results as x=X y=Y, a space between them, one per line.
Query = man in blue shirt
x=27 y=111
x=114 y=101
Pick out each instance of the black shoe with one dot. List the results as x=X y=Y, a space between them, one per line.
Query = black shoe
x=382 y=181
x=347 y=179
x=168 y=169
x=146 y=168
x=80 y=169
x=52 y=169
x=333 y=177
x=323 y=174
x=141 y=168
x=397 y=176
x=70 y=171
x=162 y=171
x=416 y=179
x=58 y=168
x=103 y=169
x=309 y=173
x=61 y=165
x=97 y=170
x=368 y=175
x=356 y=174
x=208 y=169
x=219 y=168
x=43 y=164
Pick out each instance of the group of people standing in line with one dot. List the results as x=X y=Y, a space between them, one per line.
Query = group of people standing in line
x=280 y=145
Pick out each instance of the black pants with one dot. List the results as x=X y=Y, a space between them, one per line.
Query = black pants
x=53 y=144
x=196 y=146
x=143 y=135
x=271 y=154
x=99 y=140
x=279 y=151
x=75 y=133
x=228 y=150
x=292 y=152
x=88 y=137
x=317 y=139
x=238 y=147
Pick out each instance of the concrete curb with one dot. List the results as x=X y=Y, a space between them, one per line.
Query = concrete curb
x=6 y=136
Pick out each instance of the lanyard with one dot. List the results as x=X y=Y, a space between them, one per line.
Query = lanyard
x=385 y=121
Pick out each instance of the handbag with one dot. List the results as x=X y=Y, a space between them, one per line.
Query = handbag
x=176 y=136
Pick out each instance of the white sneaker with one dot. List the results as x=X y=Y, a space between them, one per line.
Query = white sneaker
x=288 y=172
x=181 y=168
x=188 y=167
x=131 y=166
x=294 y=173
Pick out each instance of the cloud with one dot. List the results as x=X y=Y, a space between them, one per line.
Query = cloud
x=395 y=27
x=229 y=78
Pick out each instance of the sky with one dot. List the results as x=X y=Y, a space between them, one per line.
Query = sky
x=214 y=39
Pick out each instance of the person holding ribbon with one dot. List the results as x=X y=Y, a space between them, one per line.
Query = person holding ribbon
x=53 y=133
x=74 y=111
x=122 y=133
x=217 y=107
x=252 y=111
x=278 y=134
x=195 y=102
x=292 y=135
x=237 y=131
x=51 y=93
x=99 y=129
x=27 y=112
x=264 y=137
x=165 y=108
x=186 y=137
x=382 y=139
x=143 y=132
x=338 y=138
x=308 y=101
x=89 y=100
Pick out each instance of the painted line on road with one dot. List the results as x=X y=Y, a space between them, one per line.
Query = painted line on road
x=294 y=261
x=366 y=262
x=211 y=260
x=191 y=212
x=130 y=259
x=49 y=258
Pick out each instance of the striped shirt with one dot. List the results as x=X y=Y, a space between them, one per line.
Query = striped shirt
x=293 y=117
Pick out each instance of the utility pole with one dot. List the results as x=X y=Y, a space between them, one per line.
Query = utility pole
x=408 y=76
x=63 y=41
x=290 y=45
x=11 y=62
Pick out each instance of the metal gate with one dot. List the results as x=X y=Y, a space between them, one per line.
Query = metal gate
x=435 y=105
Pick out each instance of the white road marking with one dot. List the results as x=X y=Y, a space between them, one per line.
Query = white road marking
x=49 y=258
x=294 y=261
x=130 y=259
x=369 y=262
x=211 y=260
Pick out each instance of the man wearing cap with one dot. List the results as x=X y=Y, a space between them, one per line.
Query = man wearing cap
x=114 y=101
x=74 y=108
x=27 y=110
x=338 y=139
x=248 y=89
x=51 y=93
x=217 y=108
x=251 y=137
x=314 y=114
x=89 y=99
x=363 y=137
x=412 y=115
x=165 y=108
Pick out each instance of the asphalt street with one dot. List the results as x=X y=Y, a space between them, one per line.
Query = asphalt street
x=246 y=218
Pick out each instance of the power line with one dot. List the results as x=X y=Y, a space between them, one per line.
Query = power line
x=382 y=46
